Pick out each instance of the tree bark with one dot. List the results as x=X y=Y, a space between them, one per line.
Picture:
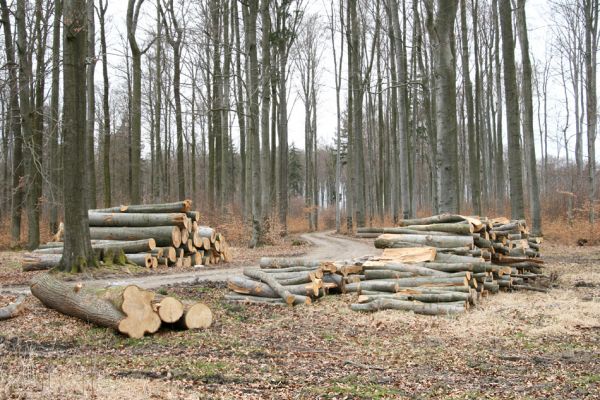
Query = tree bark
x=417 y=308
x=91 y=106
x=105 y=108
x=512 y=113
x=138 y=220
x=163 y=235
x=399 y=241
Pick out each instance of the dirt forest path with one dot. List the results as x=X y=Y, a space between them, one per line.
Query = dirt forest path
x=325 y=246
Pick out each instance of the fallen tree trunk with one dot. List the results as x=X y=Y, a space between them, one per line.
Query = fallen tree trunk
x=195 y=316
x=277 y=287
x=417 y=308
x=163 y=235
x=176 y=207
x=13 y=309
x=127 y=310
x=248 y=299
x=276 y=262
x=424 y=298
x=138 y=219
x=400 y=241
x=458 y=228
x=417 y=269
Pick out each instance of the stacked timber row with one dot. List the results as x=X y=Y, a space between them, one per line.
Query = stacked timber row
x=435 y=266
x=128 y=309
x=499 y=242
x=149 y=235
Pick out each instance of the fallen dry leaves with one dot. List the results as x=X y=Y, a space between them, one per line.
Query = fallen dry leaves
x=511 y=346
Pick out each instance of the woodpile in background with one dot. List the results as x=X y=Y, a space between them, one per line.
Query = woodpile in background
x=437 y=266
x=128 y=309
x=149 y=235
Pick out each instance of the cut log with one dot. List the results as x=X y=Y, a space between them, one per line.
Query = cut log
x=141 y=259
x=207 y=232
x=400 y=241
x=247 y=299
x=13 y=309
x=436 y=219
x=127 y=309
x=196 y=316
x=134 y=246
x=417 y=269
x=39 y=262
x=277 y=287
x=424 y=297
x=409 y=255
x=176 y=207
x=163 y=235
x=417 y=308
x=387 y=274
x=274 y=262
x=137 y=219
x=453 y=258
x=169 y=309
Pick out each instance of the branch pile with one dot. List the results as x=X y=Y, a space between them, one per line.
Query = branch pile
x=149 y=235
x=436 y=266
x=127 y=309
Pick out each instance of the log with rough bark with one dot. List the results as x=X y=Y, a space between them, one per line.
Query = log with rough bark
x=417 y=308
x=162 y=235
x=401 y=241
x=13 y=309
x=138 y=219
x=126 y=309
x=176 y=207
x=39 y=262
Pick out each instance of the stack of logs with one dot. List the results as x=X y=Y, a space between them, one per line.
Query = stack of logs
x=149 y=235
x=128 y=309
x=438 y=265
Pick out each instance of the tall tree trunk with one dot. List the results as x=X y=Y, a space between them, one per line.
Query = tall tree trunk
x=32 y=157
x=512 y=113
x=77 y=252
x=265 y=107
x=499 y=153
x=158 y=109
x=91 y=106
x=441 y=32
x=283 y=137
x=591 y=49
x=54 y=116
x=15 y=127
x=133 y=10
x=216 y=109
x=534 y=188
x=241 y=114
x=474 y=188
x=105 y=107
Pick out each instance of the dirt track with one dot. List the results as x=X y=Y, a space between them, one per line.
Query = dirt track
x=325 y=246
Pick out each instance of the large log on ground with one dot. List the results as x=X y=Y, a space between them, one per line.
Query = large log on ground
x=417 y=308
x=176 y=207
x=409 y=255
x=169 y=309
x=435 y=219
x=13 y=309
x=424 y=298
x=138 y=219
x=453 y=258
x=392 y=285
x=275 y=262
x=288 y=297
x=207 y=232
x=141 y=259
x=127 y=309
x=163 y=235
x=400 y=241
x=39 y=262
x=195 y=316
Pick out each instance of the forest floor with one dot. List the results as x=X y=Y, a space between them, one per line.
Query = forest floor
x=511 y=346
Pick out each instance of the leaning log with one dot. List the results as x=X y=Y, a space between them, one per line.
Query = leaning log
x=163 y=235
x=138 y=219
x=277 y=287
x=400 y=241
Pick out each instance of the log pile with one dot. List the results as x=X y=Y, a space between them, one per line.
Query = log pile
x=435 y=266
x=149 y=235
x=128 y=309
